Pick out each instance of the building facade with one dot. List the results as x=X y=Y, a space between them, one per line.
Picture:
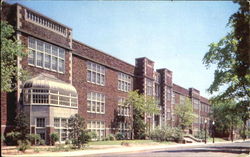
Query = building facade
x=69 y=77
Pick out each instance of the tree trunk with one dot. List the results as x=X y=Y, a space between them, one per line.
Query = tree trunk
x=244 y=129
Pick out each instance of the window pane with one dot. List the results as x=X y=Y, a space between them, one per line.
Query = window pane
x=32 y=43
x=54 y=63
x=61 y=65
x=93 y=77
x=39 y=59
x=47 y=48
x=55 y=50
x=47 y=61
x=93 y=106
x=40 y=45
x=89 y=76
x=31 y=57
x=61 y=53
x=40 y=122
x=56 y=122
x=89 y=105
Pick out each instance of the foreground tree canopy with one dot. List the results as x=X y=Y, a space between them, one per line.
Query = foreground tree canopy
x=11 y=49
x=231 y=55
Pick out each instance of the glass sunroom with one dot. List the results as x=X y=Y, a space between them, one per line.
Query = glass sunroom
x=49 y=102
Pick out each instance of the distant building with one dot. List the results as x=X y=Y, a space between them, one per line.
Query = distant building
x=71 y=77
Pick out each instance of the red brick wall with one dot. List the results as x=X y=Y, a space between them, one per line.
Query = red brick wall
x=8 y=13
x=179 y=89
x=110 y=90
x=100 y=57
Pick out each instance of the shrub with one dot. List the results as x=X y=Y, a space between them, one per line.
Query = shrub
x=78 y=135
x=119 y=136
x=12 y=138
x=23 y=145
x=36 y=150
x=110 y=137
x=42 y=142
x=177 y=134
x=54 y=138
x=67 y=142
x=84 y=137
x=167 y=134
x=35 y=139
x=201 y=134
x=92 y=135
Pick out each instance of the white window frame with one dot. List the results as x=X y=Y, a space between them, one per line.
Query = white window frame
x=44 y=53
x=93 y=99
x=93 y=127
x=61 y=128
x=29 y=92
x=124 y=82
x=93 y=71
x=123 y=110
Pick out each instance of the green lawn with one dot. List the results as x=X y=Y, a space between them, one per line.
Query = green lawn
x=216 y=140
x=118 y=142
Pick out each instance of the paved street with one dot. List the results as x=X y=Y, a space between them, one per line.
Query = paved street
x=214 y=150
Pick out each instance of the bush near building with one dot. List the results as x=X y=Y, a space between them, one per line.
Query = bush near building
x=167 y=134
x=78 y=134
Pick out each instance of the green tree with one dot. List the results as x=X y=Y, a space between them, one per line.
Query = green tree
x=20 y=131
x=78 y=134
x=185 y=114
x=54 y=138
x=11 y=49
x=142 y=105
x=226 y=117
x=231 y=55
x=22 y=125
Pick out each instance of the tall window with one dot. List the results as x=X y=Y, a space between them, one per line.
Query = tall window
x=158 y=93
x=168 y=94
x=96 y=73
x=40 y=127
x=96 y=103
x=124 y=128
x=46 y=56
x=182 y=99
x=123 y=110
x=149 y=87
x=61 y=128
x=98 y=127
x=196 y=104
x=124 y=82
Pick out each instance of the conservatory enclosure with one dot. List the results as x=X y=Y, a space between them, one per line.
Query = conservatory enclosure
x=49 y=102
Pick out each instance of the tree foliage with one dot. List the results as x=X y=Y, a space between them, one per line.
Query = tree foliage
x=232 y=57
x=11 y=49
x=226 y=117
x=78 y=134
x=141 y=105
x=20 y=131
x=185 y=114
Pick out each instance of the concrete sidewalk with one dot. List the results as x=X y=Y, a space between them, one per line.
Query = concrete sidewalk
x=116 y=149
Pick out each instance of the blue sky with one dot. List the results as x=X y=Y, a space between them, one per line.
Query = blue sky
x=175 y=35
